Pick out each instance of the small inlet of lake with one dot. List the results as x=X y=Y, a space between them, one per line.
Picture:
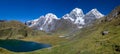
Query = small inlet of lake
x=22 y=46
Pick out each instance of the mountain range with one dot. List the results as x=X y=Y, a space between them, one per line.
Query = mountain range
x=75 y=19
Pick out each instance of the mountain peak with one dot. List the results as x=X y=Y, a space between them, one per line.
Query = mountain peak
x=94 y=9
x=76 y=17
x=76 y=13
x=51 y=15
x=95 y=12
x=77 y=10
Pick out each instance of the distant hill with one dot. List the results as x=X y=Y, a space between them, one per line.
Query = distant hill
x=14 y=29
x=2 y=20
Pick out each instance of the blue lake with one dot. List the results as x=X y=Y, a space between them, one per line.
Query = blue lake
x=22 y=46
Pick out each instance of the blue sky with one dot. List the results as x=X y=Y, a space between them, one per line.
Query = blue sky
x=24 y=10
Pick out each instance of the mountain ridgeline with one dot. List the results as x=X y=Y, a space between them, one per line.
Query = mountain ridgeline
x=76 y=19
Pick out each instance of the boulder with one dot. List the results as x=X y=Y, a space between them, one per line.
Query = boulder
x=105 y=32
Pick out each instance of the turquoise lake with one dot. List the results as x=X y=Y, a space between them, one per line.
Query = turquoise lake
x=22 y=46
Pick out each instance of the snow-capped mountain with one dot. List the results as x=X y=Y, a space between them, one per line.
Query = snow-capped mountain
x=45 y=23
x=75 y=16
x=51 y=22
x=96 y=13
x=92 y=16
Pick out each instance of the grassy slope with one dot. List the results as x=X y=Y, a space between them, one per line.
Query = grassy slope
x=14 y=29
